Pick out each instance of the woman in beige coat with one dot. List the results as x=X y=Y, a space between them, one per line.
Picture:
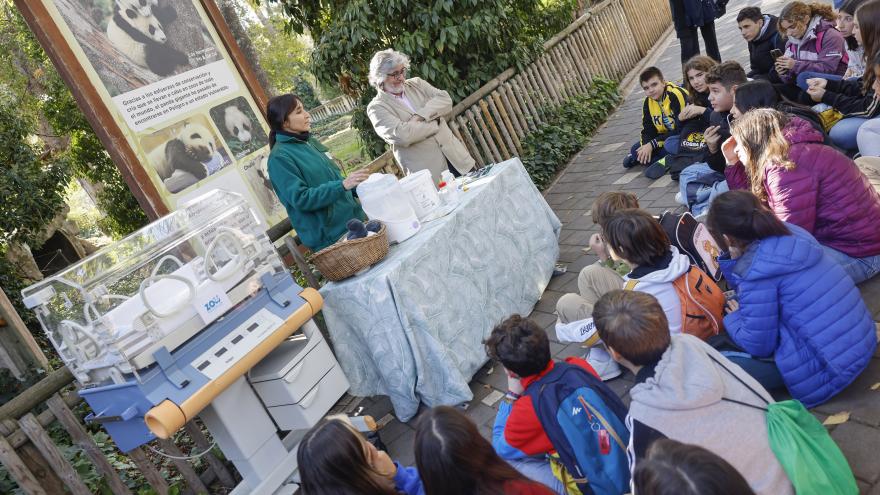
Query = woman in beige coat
x=409 y=115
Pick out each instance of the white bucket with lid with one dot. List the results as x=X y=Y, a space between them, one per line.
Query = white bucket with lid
x=422 y=194
x=383 y=199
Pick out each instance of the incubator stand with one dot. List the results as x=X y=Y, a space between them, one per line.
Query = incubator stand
x=165 y=324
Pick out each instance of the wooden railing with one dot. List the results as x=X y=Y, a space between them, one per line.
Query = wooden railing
x=336 y=106
x=608 y=41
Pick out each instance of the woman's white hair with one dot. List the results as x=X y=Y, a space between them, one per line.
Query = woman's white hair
x=384 y=62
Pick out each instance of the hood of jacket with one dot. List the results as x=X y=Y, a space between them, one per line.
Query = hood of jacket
x=768 y=29
x=685 y=378
x=773 y=256
x=800 y=130
x=667 y=269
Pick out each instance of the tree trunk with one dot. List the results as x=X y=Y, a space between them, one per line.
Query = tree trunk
x=227 y=9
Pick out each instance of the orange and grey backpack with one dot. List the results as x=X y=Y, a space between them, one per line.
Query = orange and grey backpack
x=702 y=303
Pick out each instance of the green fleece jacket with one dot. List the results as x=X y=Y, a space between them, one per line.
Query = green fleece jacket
x=309 y=185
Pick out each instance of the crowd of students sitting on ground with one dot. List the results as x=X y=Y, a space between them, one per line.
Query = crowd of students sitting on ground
x=780 y=215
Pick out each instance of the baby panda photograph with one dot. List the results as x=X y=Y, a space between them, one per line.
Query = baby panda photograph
x=185 y=153
x=133 y=43
x=256 y=171
x=239 y=127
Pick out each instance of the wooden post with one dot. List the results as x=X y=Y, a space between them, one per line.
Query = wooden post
x=38 y=436
x=17 y=469
x=183 y=466
x=151 y=474
x=36 y=394
x=15 y=333
x=201 y=442
x=81 y=437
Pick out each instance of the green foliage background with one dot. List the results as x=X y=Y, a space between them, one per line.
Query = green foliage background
x=455 y=45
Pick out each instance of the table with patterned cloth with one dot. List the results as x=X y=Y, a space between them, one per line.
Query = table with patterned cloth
x=412 y=326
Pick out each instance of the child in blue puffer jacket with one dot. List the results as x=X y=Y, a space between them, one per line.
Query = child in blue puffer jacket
x=793 y=303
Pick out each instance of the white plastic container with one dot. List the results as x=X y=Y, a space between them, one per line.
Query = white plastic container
x=422 y=194
x=384 y=200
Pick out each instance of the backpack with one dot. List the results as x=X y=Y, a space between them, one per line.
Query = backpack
x=702 y=303
x=584 y=420
x=693 y=239
x=808 y=455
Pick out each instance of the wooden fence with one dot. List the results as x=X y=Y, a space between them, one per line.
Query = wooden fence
x=336 y=106
x=608 y=41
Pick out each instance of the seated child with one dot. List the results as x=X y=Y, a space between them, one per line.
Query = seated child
x=687 y=391
x=759 y=30
x=723 y=80
x=794 y=303
x=334 y=458
x=452 y=457
x=519 y=435
x=660 y=126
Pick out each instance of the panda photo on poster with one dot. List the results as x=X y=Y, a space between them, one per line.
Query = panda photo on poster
x=134 y=43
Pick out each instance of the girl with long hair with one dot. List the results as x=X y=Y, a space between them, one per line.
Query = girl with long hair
x=813 y=43
x=855 y=98
x=694 y=76
x=798 y=317
x=452 y=457
x=762 y=94
x=308 y=183
x=782 y=160
x=334 y=459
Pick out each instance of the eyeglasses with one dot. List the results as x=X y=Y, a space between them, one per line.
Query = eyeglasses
x=398 y=73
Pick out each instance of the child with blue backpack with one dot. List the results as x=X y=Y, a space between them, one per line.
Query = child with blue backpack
x=558 y=423
x=687 y=391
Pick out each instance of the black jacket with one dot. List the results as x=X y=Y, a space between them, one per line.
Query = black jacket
x=760 y=61
x=691 y=13
x=847 y=98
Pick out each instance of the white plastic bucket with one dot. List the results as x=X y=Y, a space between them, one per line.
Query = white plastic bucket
x=383 y=199
x=422 y=194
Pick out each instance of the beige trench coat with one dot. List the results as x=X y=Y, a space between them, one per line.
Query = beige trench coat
x=419 y=145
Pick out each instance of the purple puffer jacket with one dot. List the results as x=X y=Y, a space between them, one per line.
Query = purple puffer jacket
x=826 y=194
x=828 y=58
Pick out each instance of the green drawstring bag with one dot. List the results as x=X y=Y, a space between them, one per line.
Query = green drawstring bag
x=813 y=462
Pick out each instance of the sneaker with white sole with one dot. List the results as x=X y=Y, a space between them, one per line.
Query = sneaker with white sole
x=605 y=366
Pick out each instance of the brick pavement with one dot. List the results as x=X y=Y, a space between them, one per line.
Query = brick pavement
x=597 y=168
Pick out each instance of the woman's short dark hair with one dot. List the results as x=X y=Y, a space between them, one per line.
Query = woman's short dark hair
x=520 y=345
x=741 y=216
x=452 y=456
x=674 y=468
x=636 y=236
x=332 y=461
x=751 y=13
x=277 y=110
x=633 y=324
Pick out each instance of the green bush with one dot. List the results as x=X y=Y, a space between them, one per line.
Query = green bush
x=566 y=130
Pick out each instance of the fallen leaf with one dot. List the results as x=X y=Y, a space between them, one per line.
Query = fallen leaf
x=875 y=386
x=836 y=419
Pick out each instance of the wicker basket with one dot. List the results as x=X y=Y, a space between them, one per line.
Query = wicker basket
x=345 y=258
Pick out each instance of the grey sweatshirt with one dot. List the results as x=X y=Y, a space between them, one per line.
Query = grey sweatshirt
x=683 y=401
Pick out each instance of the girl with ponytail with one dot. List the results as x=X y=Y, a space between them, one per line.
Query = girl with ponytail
x=797 y=317
x=783 y=161
x=308 y=183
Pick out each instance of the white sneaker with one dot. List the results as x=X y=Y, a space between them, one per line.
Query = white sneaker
x=602 y=362
x=679 y=199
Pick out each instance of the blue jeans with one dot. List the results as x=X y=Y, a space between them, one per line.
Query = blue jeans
x=538 y=469
x=764 y=371
x=845 y=133
x=803 y=76
x=670 y=147
x=859 y=269
x=868 y=138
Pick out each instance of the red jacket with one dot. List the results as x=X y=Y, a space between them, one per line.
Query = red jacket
x=523 y=430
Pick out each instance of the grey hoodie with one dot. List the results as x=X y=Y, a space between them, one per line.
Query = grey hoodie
x=683 y=401
x=657 y=281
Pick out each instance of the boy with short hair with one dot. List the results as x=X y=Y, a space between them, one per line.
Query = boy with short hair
x=760 y=32
x=663 y=103
x=687 y=391
x=722 y=80
x=518 y=435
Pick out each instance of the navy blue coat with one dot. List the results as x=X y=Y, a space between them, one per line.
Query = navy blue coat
x=799 y=306
x=691 y=13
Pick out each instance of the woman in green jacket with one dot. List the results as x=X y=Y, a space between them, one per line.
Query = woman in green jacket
x=319 y=201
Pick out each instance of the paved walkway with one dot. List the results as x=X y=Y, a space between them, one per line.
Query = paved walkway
x=597 y=169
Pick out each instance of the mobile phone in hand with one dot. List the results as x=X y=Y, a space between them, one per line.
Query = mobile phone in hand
x=775 y=53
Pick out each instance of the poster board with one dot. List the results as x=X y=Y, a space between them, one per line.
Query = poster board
x=168 y=93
